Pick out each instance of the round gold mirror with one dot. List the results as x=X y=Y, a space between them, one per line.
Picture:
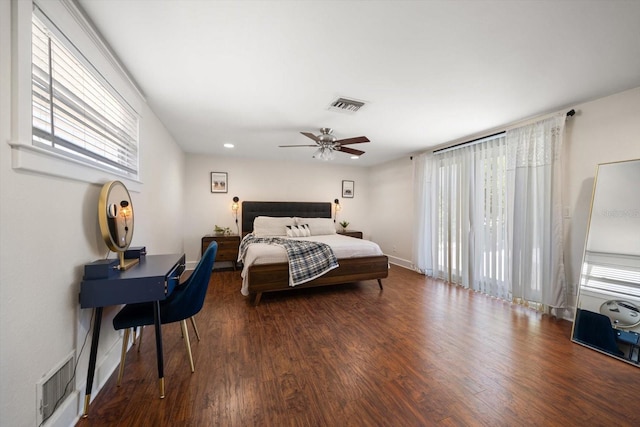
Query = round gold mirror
x=115 y=215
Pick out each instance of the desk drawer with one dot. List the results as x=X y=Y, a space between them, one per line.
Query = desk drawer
x=173 y=277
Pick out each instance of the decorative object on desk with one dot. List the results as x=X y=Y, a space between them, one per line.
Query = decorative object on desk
x=344 y=225
x=219 y=182
x=135 y=252
x=348 y=189
x=225 y=231
x=115 y=216
x=101 y=269
x=607 y=314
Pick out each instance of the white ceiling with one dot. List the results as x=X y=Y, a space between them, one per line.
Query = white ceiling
x=257 y=73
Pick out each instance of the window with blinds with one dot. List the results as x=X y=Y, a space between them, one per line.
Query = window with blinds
x=75 y=112
x=617 y=275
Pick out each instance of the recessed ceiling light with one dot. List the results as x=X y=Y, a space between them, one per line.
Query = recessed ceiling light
x=355 y=157
x=228 y=145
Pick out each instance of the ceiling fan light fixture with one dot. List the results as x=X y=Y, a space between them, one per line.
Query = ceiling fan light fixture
x=327 y=144
x=324 y=153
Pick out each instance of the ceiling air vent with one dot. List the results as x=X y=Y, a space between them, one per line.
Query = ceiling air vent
x=346 y=105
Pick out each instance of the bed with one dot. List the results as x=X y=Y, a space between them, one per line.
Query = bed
x=358 y=259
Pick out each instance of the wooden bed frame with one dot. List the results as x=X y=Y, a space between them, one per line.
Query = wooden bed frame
x=275 y=277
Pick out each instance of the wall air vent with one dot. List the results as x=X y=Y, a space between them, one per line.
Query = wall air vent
x=54 y=388
x=346 y=105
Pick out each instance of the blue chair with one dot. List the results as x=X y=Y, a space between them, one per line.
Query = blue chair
x=594 y=329
x=184 y=302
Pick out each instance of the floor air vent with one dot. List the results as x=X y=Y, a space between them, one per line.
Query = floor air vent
x=54 y=388
x=346 y=105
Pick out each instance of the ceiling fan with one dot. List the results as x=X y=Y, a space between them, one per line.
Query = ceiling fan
x=327 y=144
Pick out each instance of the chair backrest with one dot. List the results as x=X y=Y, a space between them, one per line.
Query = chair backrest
x=188 y=301
x=595 y=329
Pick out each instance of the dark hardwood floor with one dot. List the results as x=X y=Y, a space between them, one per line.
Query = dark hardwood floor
x=419 y=353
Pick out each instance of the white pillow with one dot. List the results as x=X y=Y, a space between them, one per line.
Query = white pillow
x=298 y=230
x=318 y=226
x=264 y=226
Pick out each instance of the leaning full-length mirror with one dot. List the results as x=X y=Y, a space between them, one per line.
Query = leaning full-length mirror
x=608 y=306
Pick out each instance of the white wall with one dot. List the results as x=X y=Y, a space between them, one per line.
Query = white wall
x=392 y=209
x=48 y=231
x=258 y=180
x=604 y=130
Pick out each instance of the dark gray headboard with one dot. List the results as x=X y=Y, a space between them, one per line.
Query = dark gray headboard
x=250 y=210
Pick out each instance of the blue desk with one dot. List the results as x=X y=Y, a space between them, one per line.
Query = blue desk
x=153 y=279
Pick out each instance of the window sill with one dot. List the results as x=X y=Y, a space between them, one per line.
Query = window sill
x=27 y=158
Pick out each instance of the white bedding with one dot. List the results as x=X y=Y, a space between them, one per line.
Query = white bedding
x=343 y=247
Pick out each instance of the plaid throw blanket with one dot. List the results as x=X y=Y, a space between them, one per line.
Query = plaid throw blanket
x=307 y=260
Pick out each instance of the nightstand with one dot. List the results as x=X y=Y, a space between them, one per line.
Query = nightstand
x=228 y=246
x=351 y=233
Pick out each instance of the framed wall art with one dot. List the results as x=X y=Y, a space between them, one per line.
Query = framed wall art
x=348 y=189
x=219 y=182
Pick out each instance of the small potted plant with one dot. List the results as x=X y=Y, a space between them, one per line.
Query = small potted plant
x=344 y=225
x=225 y=231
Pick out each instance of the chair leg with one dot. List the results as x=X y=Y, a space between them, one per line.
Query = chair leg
x=195 y=328
x=185 y=334
x=140 y=341
x=123 y=355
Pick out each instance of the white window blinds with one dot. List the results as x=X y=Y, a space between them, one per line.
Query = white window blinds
x=617 y=275
x=75 y=112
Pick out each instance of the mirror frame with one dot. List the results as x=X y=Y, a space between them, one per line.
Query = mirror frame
x=114 y=202
x=622 y=332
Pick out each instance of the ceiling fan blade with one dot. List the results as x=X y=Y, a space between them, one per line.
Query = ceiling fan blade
x=310 y=135
x=297 y=146
x=351 y=151
x=356 y=140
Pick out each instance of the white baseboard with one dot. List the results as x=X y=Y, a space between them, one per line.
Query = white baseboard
x=400 y=262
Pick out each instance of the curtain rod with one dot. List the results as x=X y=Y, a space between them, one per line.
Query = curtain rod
x=570 y=113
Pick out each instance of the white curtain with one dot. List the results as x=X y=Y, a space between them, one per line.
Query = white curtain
x=469 y=230
x=535 y=212
x=422 y=248
x=489 y=225
x=489 y=215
